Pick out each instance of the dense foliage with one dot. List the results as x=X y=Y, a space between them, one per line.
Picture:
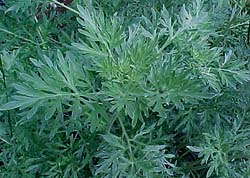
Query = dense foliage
x=125 y=89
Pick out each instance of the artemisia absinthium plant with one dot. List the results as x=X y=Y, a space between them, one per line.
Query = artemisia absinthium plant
x=125 y=89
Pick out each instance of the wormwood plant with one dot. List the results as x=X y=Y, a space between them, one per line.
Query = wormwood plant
x=97 y=92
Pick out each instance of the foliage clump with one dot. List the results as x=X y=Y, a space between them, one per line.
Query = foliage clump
x=125 y=88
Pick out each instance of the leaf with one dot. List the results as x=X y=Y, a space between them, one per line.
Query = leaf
x=227 y=57
x=14 y=104
x=51 y=110
x=210 y=171
x=194 y=149
x=86 y=49
x=113 y=140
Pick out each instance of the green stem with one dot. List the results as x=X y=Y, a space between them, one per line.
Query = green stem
x=183 y=155
x=127 y=138
x=39 y=31
x=7 y=98
x=248 y=33
x=66 y=7
x=18 y=36
x=170 y=40
x=112 y=122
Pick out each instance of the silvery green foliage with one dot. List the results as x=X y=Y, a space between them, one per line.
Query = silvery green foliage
x=125 y=89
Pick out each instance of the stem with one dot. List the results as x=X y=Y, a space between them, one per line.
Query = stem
x=112 y=122
x=39 y=31
x=169 y=40
x=184 y=154
x=248 y=33
x=18 y=36
x=5 y=140
x=109 y=51
x=128 y=140
x=245 y=23
x=66 y=7
x=7 y=98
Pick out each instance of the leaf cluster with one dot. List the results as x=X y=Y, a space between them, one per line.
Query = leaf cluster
x=125 y=88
